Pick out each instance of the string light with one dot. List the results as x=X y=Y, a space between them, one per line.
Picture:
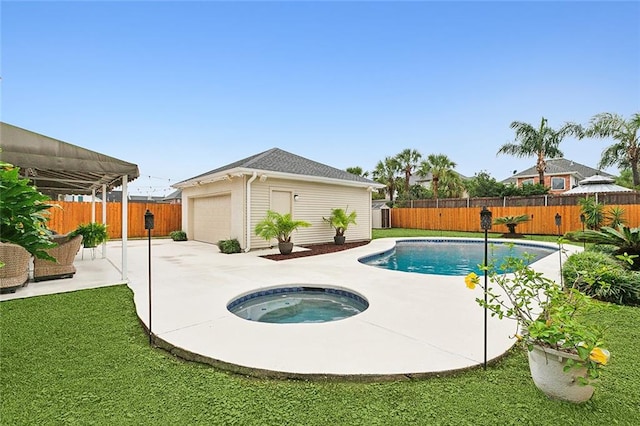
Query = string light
x=151 y=190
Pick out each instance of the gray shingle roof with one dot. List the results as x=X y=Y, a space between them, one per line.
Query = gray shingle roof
x=278 y=160
x=560 y=166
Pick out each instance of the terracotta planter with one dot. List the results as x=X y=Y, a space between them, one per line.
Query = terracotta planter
x=546 y=366
x=285 y=248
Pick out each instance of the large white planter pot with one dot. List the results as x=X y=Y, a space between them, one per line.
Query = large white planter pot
x=546 y=366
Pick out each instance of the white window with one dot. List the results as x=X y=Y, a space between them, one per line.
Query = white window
x=557 y=183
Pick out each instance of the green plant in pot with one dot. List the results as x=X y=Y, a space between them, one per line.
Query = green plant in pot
x=93 y=234
x=565 y=349
x=340 y=221
x=280 y=227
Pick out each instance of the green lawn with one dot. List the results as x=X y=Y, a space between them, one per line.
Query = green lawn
x=82 y=358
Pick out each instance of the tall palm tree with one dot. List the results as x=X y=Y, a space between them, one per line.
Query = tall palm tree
x=440 y=166
x=451 y=185
x=357 y=170
x=543 y=142
x=408 y=160
x=625 y=152
x=386 y=173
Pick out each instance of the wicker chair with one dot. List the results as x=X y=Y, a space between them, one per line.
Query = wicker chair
x=64 y=253
x=15 y=271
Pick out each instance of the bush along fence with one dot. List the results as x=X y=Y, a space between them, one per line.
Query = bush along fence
x=67 y=217
x=542 y=219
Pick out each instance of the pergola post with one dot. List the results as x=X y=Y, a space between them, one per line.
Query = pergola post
x=93 y=205
x=104 y=217
x=125 y=223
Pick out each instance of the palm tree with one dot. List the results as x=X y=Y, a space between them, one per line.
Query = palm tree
x=408 y=160
x=543 y=142
x=511 y=221
x=386 y=173
x=626 y=151
x=440 y=167
x=451 y=185
x=357 y=171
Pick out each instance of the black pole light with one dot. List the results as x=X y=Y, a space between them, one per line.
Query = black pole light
x=148 y=225
x=485 y=224
x=559 y=224
x=583 y=219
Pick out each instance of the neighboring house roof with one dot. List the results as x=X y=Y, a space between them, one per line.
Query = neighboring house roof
x=558 y=166
x=597 y=183
x=116 y=197
x=279 y=163
x=177 y=194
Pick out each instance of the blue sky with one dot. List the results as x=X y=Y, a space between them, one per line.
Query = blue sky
x=180 y=88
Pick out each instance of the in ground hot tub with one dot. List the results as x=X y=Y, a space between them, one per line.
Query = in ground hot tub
x=298 y=304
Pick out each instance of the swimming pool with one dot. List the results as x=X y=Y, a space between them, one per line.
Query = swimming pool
x=450 y=257
x=298 y=304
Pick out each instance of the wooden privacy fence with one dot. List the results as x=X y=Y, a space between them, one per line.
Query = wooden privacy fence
x=168 y=217
x=608 y=198
x=468 y=219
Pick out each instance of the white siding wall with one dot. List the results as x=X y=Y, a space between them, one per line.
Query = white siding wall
x=315 y=200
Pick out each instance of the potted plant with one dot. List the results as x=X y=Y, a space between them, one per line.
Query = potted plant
x=511 y=222
x=340 y=221
x=279 y=226
x=565 y=350
x=93 y=234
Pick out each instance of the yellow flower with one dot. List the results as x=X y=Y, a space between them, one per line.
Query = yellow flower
x=471 y=280
x=599 y=355
x=518 y=336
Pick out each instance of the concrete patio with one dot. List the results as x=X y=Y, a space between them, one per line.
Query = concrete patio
x=415 y=325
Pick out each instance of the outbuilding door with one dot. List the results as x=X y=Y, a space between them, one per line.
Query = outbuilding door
x=281 y=201
x=212 y=218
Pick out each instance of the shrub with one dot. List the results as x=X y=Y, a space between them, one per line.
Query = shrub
x=627 y=240
x=593 y=211
x=602 y=277
x=229 y=246
x=23 y=213
x=178 y=235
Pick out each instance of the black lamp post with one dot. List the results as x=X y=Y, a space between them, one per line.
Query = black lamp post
x=148 y=225
x=583 y=219
x=485 y=224
x=559 y=224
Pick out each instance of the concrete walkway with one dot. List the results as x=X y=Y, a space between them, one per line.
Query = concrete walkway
x=416 y=324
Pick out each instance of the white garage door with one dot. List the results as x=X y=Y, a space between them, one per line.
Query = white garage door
x=212 y=219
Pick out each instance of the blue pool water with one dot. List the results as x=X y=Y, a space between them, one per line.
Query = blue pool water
x=450 y=257
x=298 y=305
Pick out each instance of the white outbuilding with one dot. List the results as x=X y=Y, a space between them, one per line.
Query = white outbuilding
x=228 y=202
